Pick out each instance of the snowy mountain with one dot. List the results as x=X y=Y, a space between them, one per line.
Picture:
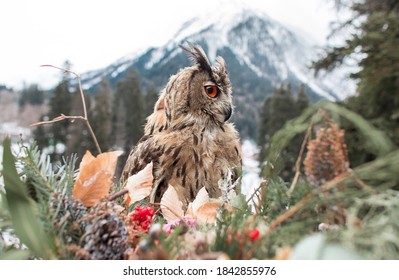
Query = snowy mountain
x=260 y=52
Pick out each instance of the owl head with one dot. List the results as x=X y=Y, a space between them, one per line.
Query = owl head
x=200 y=93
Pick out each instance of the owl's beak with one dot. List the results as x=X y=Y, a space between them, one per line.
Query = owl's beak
x=228 y=114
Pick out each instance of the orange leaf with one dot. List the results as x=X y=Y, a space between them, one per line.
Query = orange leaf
x=202 y=208
x=140 y=184
x=95 y=177
x=206 y=213
x=171 y=206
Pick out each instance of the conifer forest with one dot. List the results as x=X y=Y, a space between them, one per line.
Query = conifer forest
x=327 y=172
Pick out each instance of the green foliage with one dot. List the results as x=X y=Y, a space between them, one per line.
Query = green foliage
x=373 y=138
x=358 y=209
x=276 y=111
x=149 y=101
x=127 y=117
x=367 y=192
x=101 y=115
x=60 y=103
x=129 y=92
x=373 y=44
x=380 y=222
x=23 y=210
x=31 y=95
x=79 y=139
x=230 y=232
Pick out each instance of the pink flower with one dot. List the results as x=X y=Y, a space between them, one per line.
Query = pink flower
x=169 y=227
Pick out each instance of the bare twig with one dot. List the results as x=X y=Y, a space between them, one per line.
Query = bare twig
x=118 y=194
x=363 y=185
x=64 y=117
x=299 y=159
x=262 y=194
x=261 y=186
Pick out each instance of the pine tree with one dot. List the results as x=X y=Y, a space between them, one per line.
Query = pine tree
x=282 y=108
x=79 y=139
x=31 y=94
x=149 y=100
x=101 y=115
x=127 y=119
x=374 y=44
x=302 y=100
x=276 y=111
x=264 y=128
x=130 y=89
x=60 y=103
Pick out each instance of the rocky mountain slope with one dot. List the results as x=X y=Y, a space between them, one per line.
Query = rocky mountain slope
x=260 y=52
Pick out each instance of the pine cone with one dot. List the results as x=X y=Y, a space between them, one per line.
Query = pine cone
x=327 y=156
x=106 y=236
x=68 y=213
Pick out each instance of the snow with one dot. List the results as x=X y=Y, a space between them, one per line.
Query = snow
x=155 y=58
x=120 y=69
x=1 y=168
x=250 y=165
x=285 y=49
x=92 y=78
x=289 y=51
x=12 y=130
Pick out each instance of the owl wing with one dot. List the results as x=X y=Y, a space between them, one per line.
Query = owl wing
x=156 y=122
x=141 y=155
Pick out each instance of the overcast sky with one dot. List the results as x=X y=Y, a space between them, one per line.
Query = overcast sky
x=93 y=34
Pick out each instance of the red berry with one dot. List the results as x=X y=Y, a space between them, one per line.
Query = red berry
x=142 y=217
x=253 y=234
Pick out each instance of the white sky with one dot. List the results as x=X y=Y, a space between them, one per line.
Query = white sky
x=94 y=33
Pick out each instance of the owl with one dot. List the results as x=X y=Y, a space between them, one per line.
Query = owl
x=188 y=137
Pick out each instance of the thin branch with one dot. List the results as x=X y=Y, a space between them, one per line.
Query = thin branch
x=280 y=219
x=57 y=119
x=256 y=190
x=118 y=194
x=262 y=194
x=64 y=117
x=299 y=159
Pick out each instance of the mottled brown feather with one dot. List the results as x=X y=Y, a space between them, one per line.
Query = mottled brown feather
x=188 y=137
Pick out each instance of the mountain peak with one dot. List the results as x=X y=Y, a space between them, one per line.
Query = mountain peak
x=266 y=50
x=261 y=54
x=216 y=25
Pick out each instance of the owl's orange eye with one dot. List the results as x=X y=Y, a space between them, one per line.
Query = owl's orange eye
x=211 y=91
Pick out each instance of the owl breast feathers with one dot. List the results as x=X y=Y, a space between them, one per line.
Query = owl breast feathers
x=188 y=137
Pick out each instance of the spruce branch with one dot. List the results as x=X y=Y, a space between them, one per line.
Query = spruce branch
x=295 y=208
x=62 y=117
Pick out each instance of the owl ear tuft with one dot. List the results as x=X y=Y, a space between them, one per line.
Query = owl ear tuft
x=221 y=65
x=197 y=56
